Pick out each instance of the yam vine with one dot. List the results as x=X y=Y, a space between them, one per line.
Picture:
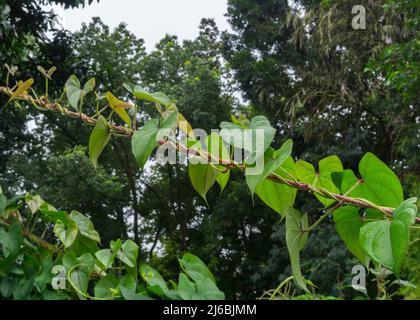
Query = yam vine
x=370 y=212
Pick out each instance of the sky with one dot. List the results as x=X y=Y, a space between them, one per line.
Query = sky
x=149 y=19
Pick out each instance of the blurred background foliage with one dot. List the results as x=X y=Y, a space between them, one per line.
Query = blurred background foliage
x=333 y=89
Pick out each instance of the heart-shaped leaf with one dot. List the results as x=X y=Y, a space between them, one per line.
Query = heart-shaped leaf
x=144 y=141
x=98 y=140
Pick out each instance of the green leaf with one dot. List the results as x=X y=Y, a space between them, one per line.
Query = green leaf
x=119 y=107
x=207 y=290
x=99 y=138
x=272 y=161
x=43 y=72
x=204 y=289
x=186 y=288
x=154 y=280
x=276 y=195
x=157 y=97
x=171 y=120
x=307 y=174
x=78 y=270
x=348 y=224
x=85 y=226
x=51 y=71
x=54 y=216
x=195 y=268
x=11 y=240
x=203 y=177
x=217 y=148
x=105 y=257
x=3 y=201
x=247 y=138
x=128 y=253
x=144 y=141
x=387 y=242
x=22 y=88
x=296 y=239
x=379 y=183
x=106 y=287
x=66 y=232
x=73 y=91
x=89 y=86
x=128 y=286
x=34 y=203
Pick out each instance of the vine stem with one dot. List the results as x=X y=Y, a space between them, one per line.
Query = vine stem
x=128 y=133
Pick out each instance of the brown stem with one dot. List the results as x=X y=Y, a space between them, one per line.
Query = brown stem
x=361 y=203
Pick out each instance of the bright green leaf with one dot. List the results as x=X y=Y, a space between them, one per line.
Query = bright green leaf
x=99 y=138
x=144 y=141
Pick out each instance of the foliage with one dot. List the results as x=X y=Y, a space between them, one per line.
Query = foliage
x=383 y=236
x=28 y=264
x=334 y=90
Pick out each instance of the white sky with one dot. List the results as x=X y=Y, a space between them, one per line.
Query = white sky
x=149 y=19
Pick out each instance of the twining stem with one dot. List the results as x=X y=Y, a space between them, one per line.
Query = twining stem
x=229 y=164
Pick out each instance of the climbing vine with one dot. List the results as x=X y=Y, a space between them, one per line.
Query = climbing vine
x=368 y=207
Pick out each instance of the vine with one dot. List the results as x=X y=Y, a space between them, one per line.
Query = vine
x=369 y=211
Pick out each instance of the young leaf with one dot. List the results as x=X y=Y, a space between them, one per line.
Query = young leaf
x=119 y=107
x=43 y=72
x=89 y=86
x=67 y=233
x=51 y=71
x=144 y=141
x=99 y=138
x=73 y=91
x=22 y=88
x=296 y=239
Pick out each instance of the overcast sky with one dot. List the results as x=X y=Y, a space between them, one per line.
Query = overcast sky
x=149 y=19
